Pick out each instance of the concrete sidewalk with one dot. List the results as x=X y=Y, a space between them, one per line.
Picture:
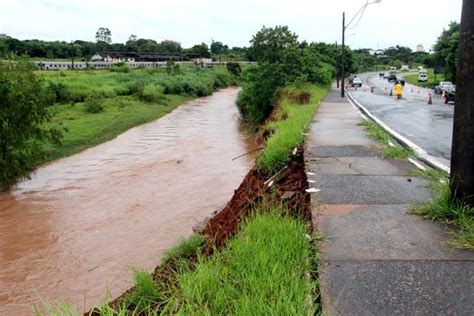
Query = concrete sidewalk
x=376 y=258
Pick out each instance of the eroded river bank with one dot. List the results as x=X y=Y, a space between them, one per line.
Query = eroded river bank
x=81 y=223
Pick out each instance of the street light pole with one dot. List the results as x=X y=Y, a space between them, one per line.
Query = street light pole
x=344 y=27
x=343 y=59
x=462 y=153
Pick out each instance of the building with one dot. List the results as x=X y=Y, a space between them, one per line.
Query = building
x=420 y=48
x=118 y=57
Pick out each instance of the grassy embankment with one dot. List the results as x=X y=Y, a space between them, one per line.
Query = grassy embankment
x=263 y=270
x=96 y=106
x=444 y=209
x=431 y=83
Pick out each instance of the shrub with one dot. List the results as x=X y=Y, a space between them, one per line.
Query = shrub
x=59 y=92
x=120 y=67
x=94 y=105
x=23 y=116
x=234 y=68
x=152 y=94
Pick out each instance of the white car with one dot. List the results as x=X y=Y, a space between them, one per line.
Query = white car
x=386 y=75
x=422 y=77
x=356 y=82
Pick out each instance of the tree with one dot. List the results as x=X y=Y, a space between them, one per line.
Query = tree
x=446 y=50
x=217 y=48
x=269 y=43
x=23 y=115
x=103 y=34
x=200 y=49
x=169 y=46
x=132 y=38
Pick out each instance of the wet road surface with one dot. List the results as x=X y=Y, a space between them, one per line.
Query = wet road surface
x=80 y=224
x=428 y=126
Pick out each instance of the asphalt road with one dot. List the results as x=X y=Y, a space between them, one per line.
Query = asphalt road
x=428 y=126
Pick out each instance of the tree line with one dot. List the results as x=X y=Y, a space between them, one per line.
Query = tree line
x=35 y=48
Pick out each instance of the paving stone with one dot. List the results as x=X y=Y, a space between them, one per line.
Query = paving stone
x=357 y=189
x=398 y=288
x=343 y=151
x=360 y=166
x=382 y=232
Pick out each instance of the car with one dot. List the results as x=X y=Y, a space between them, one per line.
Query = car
x=386 y=75
x=422 y=77
x=443 y=86
x=381 y=74
x=392 y=78
x=356 y=82
x=450 y=94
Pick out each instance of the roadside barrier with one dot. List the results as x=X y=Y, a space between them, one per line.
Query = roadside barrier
x=430 y=98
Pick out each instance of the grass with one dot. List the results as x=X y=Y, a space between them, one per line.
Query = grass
x=287 y=131
x=431 y=83
x=444 y=209
x=392 y=150
x=262 y=271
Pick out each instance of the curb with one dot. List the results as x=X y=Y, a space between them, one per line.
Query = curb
x=420 y=153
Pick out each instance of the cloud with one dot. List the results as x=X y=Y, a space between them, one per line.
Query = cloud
x=404 y=22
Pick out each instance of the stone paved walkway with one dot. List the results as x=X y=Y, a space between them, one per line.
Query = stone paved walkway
x=377 y=259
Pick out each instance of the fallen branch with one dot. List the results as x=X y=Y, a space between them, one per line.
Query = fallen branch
x=259 y=148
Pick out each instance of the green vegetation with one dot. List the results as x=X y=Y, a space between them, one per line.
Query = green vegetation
x=145 y=292
x=446 y=210
x=431 y=83
x=24 y=112
x=282 y=61
x=393 y=151
x=295 y=111
x=262 y=271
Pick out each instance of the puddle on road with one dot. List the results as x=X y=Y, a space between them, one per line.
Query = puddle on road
x=81 y=223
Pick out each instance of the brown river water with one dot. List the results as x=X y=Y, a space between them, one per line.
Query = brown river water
x=77 y=228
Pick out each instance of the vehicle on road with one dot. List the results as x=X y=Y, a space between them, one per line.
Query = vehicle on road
x=392 y=78
x=386 y=75
x=381 y=74
x=393 y=69
x=356 y=82
x=443 y=86
x=422 y=77
x=450 y=95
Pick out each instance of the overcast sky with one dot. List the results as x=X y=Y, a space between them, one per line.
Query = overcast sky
x=391 y=22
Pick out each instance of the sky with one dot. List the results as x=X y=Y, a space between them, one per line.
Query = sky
x=385 y=24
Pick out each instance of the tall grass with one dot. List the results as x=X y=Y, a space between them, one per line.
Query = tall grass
x=287 y=131
x=262 y=271
x=445 y=209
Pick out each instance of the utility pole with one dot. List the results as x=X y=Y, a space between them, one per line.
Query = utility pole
x=343 y=61
x=72 y=55
x=462 y=153
x=337 y=65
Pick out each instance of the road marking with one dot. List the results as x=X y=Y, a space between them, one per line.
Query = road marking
x=420 y=153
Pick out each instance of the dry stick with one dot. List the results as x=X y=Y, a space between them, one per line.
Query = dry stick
x=259 y=148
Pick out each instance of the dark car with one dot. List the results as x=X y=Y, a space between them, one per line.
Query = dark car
x=381 y=74
x=450 y=95
x=392 y=78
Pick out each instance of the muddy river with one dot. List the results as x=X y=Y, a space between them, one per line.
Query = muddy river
x=79 y=226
